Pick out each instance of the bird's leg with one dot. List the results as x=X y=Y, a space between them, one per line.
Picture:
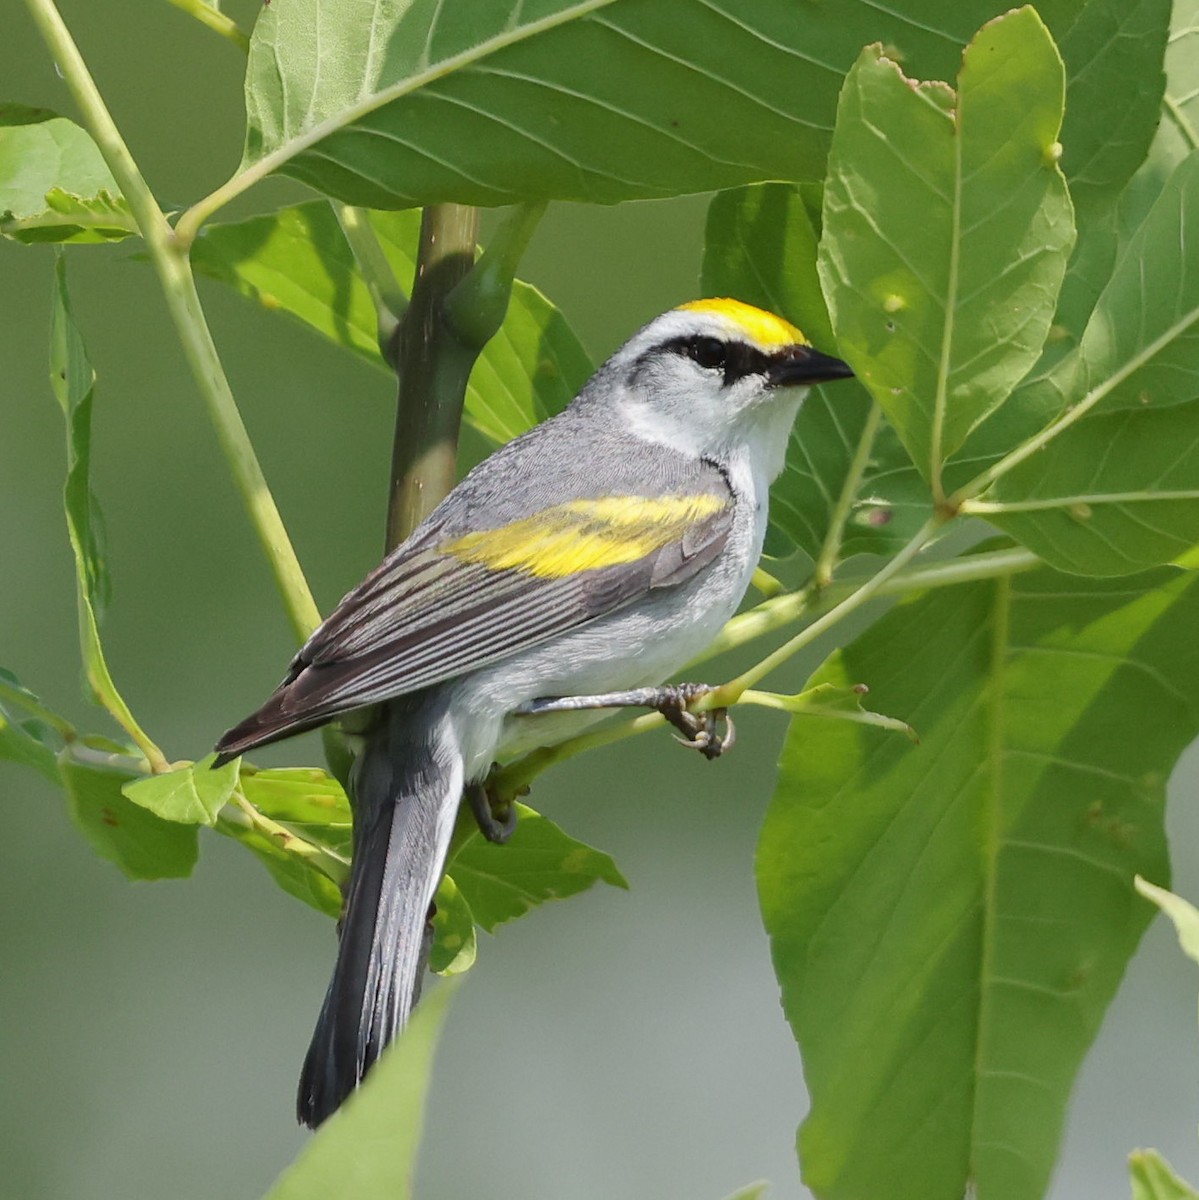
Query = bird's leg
x=672 y=701
x=495 y=814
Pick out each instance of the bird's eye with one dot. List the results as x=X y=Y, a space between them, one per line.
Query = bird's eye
x=709 y=352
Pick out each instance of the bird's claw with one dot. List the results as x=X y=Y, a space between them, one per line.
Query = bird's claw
x=700 y=730
x=494 y=814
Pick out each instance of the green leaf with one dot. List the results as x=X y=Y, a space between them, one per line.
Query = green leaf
x=949 y=921
x=298 y=876
x=73 y=380
x=54 y=185
x=1115 y=492
x=1115 y=83
x=401 y=105
x=308 y=800
x=947 y=227
x=454 y=941
x=760 y=246
x=297 y=260
x=1153 y=1179
x=143 y=845
x=31 y=741
x=538 y=863
x=367 y=1149
x=1109 y=93
x=191 y=795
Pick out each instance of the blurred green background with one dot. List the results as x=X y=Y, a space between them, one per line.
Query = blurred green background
x=150 y=1035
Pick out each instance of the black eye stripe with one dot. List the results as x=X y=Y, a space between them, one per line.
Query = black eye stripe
x=734 y=359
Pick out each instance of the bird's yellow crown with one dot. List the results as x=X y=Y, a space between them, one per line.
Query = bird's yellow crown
x=761 y=327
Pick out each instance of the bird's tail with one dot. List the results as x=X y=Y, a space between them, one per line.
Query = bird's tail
x=406 y=787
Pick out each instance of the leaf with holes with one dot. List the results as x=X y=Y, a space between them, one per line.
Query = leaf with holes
x=54 y=184
x=947 y=227
x=397 y=105
x=297 y=261
x=949 y=921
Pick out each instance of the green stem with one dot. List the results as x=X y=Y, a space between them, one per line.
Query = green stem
x=217 y=21
x=239 y=813
x=766 y=583
x=830 y=552
x=477 y=306
x=386 y=294
x=174 y=272
x=433 y=367
x=183 y=303
x=1186 y=130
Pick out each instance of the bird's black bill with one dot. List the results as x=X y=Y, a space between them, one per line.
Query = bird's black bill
x=803 y=365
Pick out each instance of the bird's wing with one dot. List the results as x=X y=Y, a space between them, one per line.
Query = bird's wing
x=449 y=602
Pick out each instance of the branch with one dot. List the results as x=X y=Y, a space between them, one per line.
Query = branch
x=457 y=306
x=433 y=368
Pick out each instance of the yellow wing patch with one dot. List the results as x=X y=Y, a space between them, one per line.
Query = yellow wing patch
x=764 y=328
x=584 y=535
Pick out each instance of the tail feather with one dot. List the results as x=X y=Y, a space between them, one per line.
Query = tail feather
x=406 y=787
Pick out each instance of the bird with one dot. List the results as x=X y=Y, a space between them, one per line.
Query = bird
x=569 y=573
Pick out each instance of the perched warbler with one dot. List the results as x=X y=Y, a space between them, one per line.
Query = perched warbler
x=595 y=554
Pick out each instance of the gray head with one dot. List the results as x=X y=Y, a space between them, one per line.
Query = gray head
x=713 y=376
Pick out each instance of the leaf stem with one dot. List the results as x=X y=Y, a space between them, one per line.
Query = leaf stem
x=388 y=297
x=183 y=303
x=216 y=20
x=830 y=551
x=1186 y=130
x=240 y=813
x=169 y=257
